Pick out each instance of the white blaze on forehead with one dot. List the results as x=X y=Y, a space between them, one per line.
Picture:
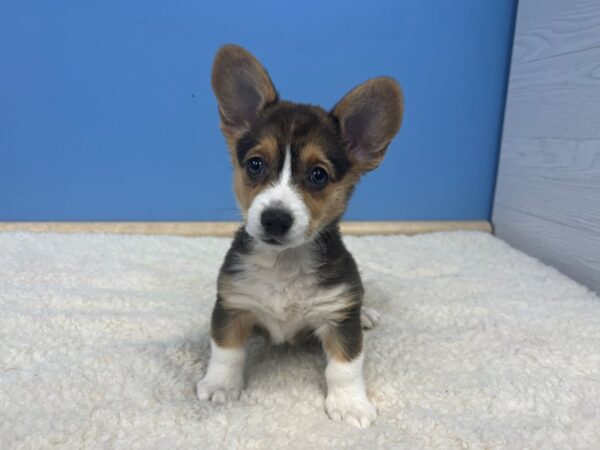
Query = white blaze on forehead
x=283 y=194
x=285 y=178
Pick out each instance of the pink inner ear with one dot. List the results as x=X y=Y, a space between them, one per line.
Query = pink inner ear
x=361 y=154
x=357 y=130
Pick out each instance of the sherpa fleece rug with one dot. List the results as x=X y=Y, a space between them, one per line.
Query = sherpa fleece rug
x=103 y=337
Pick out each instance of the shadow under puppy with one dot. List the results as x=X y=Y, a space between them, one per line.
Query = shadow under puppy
x=287 y=271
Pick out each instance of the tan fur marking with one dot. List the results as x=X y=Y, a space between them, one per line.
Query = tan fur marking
x=334 y=347
x=237 y=332
x=329 y=203
x=245 y=189
x=313 y=155
x=266 y=148
x=234 y=326
x=343 y=340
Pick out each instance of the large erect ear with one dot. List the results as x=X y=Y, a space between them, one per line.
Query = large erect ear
x=243 y=88
x=370 y=116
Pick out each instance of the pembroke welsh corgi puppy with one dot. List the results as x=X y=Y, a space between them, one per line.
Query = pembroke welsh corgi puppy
x=288 y=273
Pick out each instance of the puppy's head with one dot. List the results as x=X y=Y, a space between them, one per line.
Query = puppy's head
x=296 y=165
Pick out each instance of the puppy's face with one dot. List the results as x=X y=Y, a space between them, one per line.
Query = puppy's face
x=296 y=165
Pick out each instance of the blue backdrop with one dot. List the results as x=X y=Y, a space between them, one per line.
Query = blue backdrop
x=106 y=111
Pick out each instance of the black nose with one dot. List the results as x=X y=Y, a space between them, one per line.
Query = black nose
x=276 y=221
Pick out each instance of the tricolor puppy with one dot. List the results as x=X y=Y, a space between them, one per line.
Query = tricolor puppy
x=287 y=272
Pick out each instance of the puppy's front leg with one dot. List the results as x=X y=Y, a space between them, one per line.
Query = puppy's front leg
x=224 y=379
x=346 y=394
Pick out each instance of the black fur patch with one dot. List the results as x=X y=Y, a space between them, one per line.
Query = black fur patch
x=241 y=245
x=349 y=333
x=221 y=318
x=337 y=264
x=297 y=125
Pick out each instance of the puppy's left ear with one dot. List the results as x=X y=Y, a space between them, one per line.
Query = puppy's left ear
x=243 y=89
x=370 y=115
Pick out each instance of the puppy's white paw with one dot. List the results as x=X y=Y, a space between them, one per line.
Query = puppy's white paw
x=224 y=379
x=217 y=392
x=356 y=410
x=369 y=318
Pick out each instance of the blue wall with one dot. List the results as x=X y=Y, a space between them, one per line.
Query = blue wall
x=106 y=111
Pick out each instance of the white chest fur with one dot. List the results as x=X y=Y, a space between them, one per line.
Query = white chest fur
x=282 y=290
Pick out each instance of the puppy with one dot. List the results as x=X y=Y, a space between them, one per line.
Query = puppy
x=288 y=272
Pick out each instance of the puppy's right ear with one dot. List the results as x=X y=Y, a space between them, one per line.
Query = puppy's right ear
x=243 y=88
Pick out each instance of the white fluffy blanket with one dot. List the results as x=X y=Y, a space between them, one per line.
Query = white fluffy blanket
x=103 y=337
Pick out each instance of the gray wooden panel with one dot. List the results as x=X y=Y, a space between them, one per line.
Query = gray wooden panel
x=555 y=97
x=547 y=200
x=563 y=26
x=560 y=180
x=571 y=250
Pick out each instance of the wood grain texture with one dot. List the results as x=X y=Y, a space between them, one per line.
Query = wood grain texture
x=564 y=26
x=547 y=199
x=556 y=97
x=571 y=250
x=226 y=229
x=561 y=180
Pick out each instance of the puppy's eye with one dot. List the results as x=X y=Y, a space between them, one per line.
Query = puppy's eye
x=318 y=177
x=255 y=167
